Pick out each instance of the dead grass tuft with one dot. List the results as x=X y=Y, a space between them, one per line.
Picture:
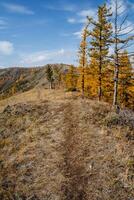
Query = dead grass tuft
x=123 y=119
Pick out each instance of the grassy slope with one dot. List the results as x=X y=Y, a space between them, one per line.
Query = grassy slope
x=56 y=146
x=16 y=80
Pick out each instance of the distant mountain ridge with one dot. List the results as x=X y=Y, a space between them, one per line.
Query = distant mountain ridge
x=19 y=79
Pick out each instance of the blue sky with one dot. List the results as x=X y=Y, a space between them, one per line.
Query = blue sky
x=36 y=32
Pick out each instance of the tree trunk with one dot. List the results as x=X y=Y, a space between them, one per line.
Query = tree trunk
x=100 y=84
x=50 y=85
x=116 y=70
x=100 y=68
x=83 y=85
x=115 y=98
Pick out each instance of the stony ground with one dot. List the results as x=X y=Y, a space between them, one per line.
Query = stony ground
x=58 y=147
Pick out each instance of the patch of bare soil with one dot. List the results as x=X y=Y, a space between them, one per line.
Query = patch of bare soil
x=58 y=149
x=74 y=167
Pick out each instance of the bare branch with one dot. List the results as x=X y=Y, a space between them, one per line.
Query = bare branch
x=126 y=45
x=122 y=23
x=123 y=34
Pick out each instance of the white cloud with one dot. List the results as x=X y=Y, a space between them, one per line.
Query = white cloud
x=127 y=28
x=6 y=48
x=77 y=20
x=121 y=4
x=111 y=50
x=124 y=6
x=89 y=12
x=81 y=16
x=16 y=8
x=123 y=16
x=68 y=7
x=42 y=57
x=78 y=34
x=61 y=7
x=72 y=20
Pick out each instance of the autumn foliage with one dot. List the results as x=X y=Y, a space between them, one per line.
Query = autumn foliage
x=94 y=76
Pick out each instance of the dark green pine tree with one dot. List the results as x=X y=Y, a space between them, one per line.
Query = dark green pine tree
x=49 y=75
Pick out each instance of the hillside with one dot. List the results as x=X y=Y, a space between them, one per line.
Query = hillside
x=14 y=80
x=57 y=146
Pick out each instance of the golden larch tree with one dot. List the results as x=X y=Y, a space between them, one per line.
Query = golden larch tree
x=71 y=79
x=100 y=42
x=126 y=81
x=83 y=51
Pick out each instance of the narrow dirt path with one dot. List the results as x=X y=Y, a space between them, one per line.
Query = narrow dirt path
x=73 y=164
x=83 y=150
x=77 y=162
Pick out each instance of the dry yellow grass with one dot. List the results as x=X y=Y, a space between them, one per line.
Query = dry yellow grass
x=57 y=146
x=34 y=96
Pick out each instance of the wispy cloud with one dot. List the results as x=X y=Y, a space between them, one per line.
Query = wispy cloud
x=89 y=12
x=78 y=34
x=81 y=16
x=61 y=7
x=127 y=28
x=71 y=20
x=123 y=16
x=122 y=6
x=17 y=8
x=6 y=48
x=43 y=57
x=77 y=20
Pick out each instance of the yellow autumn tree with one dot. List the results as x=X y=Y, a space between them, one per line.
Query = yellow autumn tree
x=91 y=79
x=100 y=42
x=108 y=82
x=70 y=79
x=126 y=81
x=83 y=64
